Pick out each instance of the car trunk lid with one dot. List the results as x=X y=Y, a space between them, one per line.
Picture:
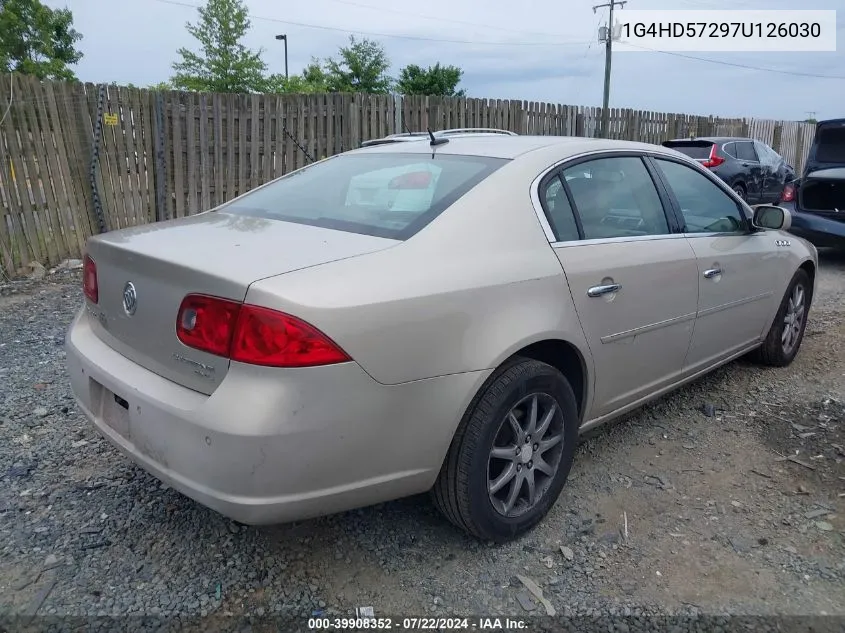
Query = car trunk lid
x=212 y=253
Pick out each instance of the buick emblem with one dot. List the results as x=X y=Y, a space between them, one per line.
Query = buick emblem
x=130 y=298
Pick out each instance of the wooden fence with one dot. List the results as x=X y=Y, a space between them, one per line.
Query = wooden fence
x=77 y=159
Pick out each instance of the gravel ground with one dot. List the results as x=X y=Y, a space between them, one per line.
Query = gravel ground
x=731 y=491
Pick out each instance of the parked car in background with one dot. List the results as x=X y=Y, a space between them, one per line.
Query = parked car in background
x=441 y=315
x=819 y=206
x=756 y=172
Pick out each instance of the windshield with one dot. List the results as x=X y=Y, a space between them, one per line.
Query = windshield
x=380 y=194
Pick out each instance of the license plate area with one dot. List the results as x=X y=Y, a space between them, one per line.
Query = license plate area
x=112 y=409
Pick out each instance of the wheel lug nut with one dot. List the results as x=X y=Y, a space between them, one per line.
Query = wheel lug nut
x=530 y=464
x=536 y=446
x=518 y=467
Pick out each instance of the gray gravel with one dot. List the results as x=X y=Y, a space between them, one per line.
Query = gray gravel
x=83 y=532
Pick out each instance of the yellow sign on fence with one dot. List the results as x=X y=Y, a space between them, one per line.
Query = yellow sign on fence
x=109 y=119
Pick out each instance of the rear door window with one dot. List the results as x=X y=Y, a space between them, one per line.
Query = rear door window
x=381 y=194
x=730 y=149
x=616 y=197
x=745 y=151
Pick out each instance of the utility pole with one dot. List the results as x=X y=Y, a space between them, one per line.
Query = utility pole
x=285 y=38
x=608 y=54
x=812 y=115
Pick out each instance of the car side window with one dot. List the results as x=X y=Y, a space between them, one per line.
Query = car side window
x=706 y=208
x=616 y=197
x=745 y=151
x=730 y=149
x=767 y=156
x=559 y=211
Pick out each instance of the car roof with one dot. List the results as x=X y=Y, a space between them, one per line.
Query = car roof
x=502 y=146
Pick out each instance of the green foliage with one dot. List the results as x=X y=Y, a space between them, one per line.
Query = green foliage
x=161 y=86
x=361 y=67
x=312 y=80
x=223 y=63
x=434 y=80
x=37 y=40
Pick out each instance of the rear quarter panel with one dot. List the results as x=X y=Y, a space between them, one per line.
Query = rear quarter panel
x=476 y=285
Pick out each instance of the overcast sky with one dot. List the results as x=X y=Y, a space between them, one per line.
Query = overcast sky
x=536 y=50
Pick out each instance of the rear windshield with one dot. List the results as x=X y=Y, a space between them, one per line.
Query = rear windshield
x=693 y=150
x=830 y=145
x=384 y=195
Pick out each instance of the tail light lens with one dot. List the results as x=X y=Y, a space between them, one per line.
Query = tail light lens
x=788 y=194
x=89 y=280
x=714 y=160
x=207 y=323
x=252 y=334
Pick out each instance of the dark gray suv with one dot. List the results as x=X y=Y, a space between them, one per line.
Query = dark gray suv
x=753 y=169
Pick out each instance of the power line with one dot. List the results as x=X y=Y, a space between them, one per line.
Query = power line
x=737 y=65
x=441 y=19
x=418 y=38
x=483 y=43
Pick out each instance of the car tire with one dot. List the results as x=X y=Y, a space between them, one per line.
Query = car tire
x=463 y=490
x=789 y=324
x=740 y=191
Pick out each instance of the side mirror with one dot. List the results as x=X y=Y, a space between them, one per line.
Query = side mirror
x=771 y=217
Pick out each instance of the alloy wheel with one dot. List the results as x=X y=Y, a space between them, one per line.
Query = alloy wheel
x=793 y=320
x=525 y=455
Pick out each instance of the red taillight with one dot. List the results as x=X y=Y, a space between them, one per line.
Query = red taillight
x=252 y=334
x=788 y=194
x=89 y=280
x=267 y=337
x=713 y=160
x=207 y=323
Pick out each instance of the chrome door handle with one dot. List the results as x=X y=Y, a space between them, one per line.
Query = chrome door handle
x=598 y=291
x=712 y=272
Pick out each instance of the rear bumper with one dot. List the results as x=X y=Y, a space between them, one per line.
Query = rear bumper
x=819 y=231
x=272 y=445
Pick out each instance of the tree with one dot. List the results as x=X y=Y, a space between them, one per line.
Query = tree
x=362 y=67
x=223 y=64
x=434 y=80
x=313 y=79
x=37 y=40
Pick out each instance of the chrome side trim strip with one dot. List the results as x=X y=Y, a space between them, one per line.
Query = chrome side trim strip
x=611 y=338
x=733 y=304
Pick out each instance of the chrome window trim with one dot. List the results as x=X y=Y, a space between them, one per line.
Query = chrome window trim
x=656 y=153
x=615 y=240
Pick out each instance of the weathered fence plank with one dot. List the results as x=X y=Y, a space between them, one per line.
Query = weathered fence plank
x=174 y=154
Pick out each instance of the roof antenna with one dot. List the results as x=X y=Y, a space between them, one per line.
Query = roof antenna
x=436 y=141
